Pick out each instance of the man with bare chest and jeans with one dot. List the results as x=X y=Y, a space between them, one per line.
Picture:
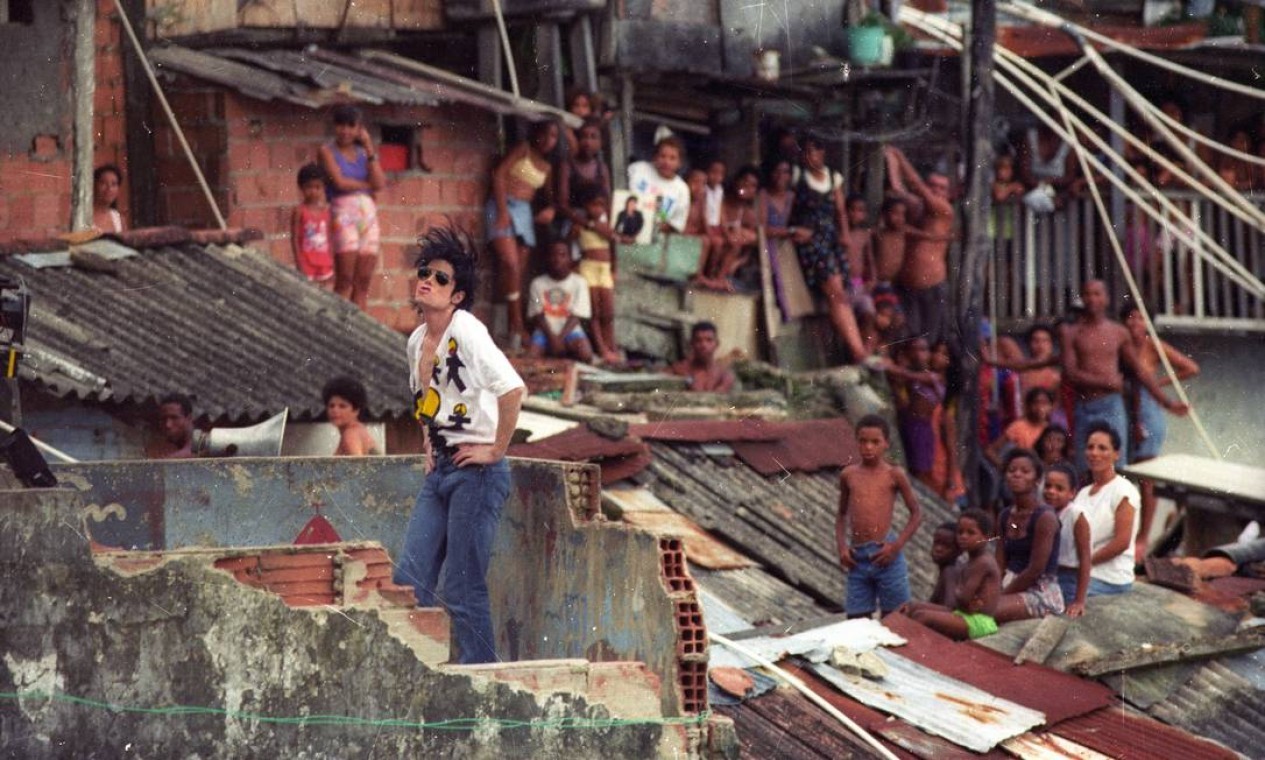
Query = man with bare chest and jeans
x=1095 y=351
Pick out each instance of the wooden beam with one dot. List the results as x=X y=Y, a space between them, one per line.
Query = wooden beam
x=84 y=88
x=583 y=59
x=142 y=178
x=549 y=64
x=1162 y=654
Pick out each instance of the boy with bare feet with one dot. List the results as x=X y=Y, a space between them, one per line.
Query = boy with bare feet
x=969 y=611
x=870 y=552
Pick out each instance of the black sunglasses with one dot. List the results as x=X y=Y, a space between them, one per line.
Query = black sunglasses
x=441 y=278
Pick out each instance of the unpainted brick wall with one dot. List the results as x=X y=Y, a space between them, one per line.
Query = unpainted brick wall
x=252 y=151
x=35 y=185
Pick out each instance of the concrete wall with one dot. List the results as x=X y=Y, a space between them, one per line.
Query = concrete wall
x=251 y=152
x=130 y=634
x=564 y=583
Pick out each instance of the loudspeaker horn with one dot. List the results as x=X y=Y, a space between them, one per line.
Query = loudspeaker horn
x=262 y=440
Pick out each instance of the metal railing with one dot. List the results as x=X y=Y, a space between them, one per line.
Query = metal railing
x=1041 y=259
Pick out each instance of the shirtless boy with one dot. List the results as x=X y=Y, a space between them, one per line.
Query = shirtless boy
x=945 y=553
x=705 y=373
x=890 y=240
x=974 y=598
x=871 y=552
x=1095 y=351
x=923 y=278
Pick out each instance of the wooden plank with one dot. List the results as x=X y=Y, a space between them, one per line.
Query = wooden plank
x=1043 y=641
x=1160 y=654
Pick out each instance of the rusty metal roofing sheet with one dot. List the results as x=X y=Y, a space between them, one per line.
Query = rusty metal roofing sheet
x=578 y=444
x=243 y=335
x=806 y=446
x=903 y=739
x=1120 y=733
x=328 y=73
x=1047 y=746
x=963 y=714
x=1058 y=695
x=708 y=431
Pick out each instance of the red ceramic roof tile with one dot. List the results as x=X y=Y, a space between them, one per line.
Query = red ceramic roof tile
x=1121 y=734
x=1059 y=695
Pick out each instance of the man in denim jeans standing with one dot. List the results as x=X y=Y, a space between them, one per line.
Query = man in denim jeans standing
x=468 y=397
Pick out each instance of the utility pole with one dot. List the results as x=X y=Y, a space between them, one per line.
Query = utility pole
x=977 y=246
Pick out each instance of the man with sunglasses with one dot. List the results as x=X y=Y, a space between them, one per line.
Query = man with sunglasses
x=467 y=396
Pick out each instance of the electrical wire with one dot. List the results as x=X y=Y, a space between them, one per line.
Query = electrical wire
x=452 y=724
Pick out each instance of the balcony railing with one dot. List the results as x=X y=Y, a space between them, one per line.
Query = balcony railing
x=1041 y=260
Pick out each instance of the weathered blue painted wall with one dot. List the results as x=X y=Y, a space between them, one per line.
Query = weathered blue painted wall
x=564 y=583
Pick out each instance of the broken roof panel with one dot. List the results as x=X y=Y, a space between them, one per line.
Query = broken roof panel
x=242 y=335
x=961 y=713
x=700 y=548
x=784 y=724
x=816 y=644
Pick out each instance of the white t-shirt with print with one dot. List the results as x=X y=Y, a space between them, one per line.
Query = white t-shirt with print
x=559 y=300
x=1067 y=535
x=1100 y=510
x=468 y=374
x=651 y=189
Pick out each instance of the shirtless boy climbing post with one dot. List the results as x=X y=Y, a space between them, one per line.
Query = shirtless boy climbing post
x=924 y=274
x=869 y=550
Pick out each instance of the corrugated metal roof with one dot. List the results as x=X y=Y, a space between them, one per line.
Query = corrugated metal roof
x=1224 y=700
x=761 y=598
x=786 y=522
x=903 y=739
x=1056 y=694
x=937 y=704
x=243 y=335
x=1119 y=733
x=1049 y=746
x=314 y=77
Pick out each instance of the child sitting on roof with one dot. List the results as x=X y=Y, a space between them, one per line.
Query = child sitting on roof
x=557 y=301
x=870 y=551
x=945 y=552
x=704 y=371
x=968 y=613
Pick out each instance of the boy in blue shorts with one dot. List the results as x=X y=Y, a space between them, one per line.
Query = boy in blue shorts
x=869 y=550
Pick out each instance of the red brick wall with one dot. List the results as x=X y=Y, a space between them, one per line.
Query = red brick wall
x=35 y=186
x=252 y=150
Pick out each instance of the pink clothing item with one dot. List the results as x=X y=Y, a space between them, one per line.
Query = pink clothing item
x=315 y=259
x=355 y=224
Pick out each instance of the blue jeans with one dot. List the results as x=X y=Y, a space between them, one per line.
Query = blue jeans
x=1109 y=409
x=1103 y=588
x=1069 y=577
x=453 y=527
x=868 y=583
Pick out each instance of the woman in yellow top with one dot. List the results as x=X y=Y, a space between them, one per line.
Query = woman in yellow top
x=344 y=398
x=523 y=172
